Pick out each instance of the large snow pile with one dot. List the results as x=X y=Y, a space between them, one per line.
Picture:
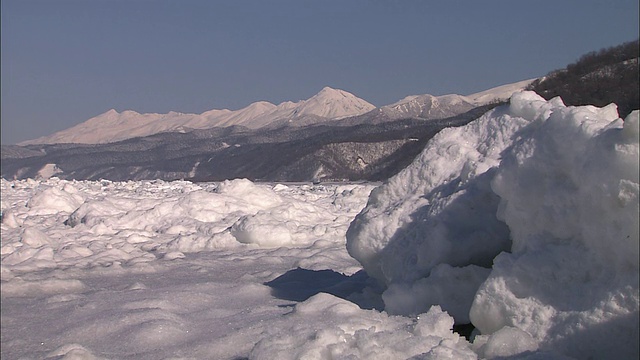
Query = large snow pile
x=524 y=222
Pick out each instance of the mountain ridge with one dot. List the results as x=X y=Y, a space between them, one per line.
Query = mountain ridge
x=111 y=126
x=370 y=146
x=328 y=104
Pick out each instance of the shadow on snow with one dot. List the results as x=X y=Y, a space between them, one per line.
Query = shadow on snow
x=301 y=284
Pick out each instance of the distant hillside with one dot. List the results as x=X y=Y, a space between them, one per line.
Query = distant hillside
x=307 y=140
x=597 y=78
x=325 y=152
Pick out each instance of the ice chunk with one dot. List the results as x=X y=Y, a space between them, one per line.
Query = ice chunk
x=569 y=193
x=53 y=200
x=506 y=342
x=452 y=288
x=326 y=327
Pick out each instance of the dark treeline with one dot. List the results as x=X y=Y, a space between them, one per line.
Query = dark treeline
x=598 y=78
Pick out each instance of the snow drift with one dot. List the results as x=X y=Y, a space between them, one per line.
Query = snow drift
x=524 y=222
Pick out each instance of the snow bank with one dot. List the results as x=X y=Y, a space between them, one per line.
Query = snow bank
x=539 y=199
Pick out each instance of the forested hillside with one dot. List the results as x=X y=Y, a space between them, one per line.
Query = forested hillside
x=598 y=78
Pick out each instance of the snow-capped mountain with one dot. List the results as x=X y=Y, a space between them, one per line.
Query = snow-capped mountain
x=502 y=92
x=112 y=126
x=439 y=107
x=327 y=105
x=428 y=107
x=208 y=147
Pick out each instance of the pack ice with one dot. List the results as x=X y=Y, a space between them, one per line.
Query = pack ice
x=524 y=223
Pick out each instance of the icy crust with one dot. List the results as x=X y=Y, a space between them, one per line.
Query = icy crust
x=539 y=199
x=69 y=223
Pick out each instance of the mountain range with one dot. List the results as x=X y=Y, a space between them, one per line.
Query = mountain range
x=333 y=135
x=327 y=105
x=112 y=126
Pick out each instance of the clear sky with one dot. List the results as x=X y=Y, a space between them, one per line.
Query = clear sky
x=65 y=61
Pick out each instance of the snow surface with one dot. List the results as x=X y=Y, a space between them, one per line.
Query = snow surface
x=112 y=126
x=502 y=92
x=524 y=222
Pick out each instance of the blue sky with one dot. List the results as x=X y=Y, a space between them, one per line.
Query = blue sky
x=65 y=61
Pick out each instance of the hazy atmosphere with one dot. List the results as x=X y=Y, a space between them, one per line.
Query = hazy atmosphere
x=66 y=61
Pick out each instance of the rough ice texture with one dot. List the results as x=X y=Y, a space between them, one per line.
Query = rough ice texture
x=439 y=210
x=153 y=269
x=56 y=224
x=569 y=193
x=326 y=327
x=546 y=198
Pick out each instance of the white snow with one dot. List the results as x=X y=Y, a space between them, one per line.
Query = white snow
x=328 y=104
x=502 y=92
x=48 y=171
x=524 y=222
x=545 y=198
x=429 y=107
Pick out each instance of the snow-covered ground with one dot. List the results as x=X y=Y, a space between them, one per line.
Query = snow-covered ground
x=524 y=222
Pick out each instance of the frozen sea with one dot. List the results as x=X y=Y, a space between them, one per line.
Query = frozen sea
x=156 y=269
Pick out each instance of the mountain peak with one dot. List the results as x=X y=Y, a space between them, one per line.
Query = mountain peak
x=110 y=112
x=328 y=104
x=334 y=104
x=331 y=93
x=329 y=90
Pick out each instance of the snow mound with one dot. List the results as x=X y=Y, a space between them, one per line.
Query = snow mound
x=326 y=327
x=544 y=197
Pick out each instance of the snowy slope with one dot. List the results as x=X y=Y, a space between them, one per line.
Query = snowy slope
x=113 y=126
x=429 y=107
x=328 y=104
x=502 y=92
